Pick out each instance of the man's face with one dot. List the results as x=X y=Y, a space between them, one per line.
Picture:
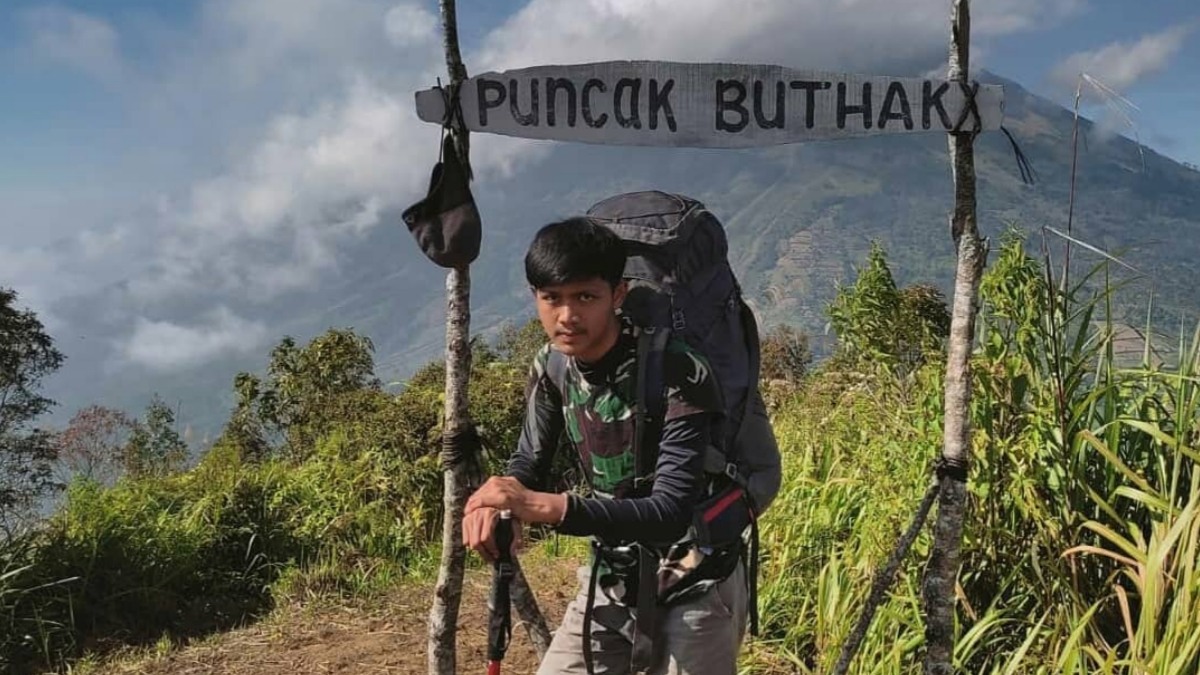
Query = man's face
x=580 y=317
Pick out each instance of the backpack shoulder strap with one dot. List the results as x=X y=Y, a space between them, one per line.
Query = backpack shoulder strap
x=650 y=401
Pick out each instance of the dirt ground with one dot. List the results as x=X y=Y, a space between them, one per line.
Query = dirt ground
x=388 y=636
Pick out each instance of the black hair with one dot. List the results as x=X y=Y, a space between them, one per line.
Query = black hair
x=572 y=250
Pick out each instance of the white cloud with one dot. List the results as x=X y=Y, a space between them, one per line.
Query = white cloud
x=35 y=275
x=296 y=47
x=409 y=24
x=1122 y=64
x=98 y=245
x=1014 y=16
x=271 y=222
x=164 y=346
x=344 y=151
x=853 y=35
x=312 y=180
x=73 y=39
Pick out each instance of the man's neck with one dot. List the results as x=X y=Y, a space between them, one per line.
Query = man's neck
x=611 y=338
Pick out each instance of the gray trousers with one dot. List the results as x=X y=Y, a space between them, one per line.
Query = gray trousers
x=699 y=637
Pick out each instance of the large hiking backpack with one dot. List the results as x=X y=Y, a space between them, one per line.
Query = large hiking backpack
x=681 y=283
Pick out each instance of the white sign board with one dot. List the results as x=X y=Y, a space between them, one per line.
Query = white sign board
x=710 y=105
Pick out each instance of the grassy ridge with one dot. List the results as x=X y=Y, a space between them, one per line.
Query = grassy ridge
x=1079 y=552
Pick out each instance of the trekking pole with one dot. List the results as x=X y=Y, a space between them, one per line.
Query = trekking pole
x=499 y=602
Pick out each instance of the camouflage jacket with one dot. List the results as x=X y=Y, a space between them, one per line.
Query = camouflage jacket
x=595 y=411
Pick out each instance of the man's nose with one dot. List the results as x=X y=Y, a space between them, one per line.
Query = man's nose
x=568 y=314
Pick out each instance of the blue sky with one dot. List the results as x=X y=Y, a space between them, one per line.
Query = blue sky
x=158 y=141
x=1167 y=94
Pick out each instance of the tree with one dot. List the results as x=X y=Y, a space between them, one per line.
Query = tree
x=864 y=314
x=785 y=354
x=93 y=444
x=154 y=446
x=246 y=428
x=296 y=401
x=27 y=355
x=924 y=322
x=878 y=323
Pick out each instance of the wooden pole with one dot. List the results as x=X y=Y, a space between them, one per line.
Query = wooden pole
x=942 y=572
x=443 y=616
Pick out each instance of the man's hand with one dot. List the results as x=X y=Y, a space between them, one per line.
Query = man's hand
x=500 y=493
x=505 y=493
x=479 y=533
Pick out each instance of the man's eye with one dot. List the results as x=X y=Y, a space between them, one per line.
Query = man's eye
x=586 y=297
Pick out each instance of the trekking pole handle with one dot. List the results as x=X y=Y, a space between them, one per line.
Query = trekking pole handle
x=504 y=536
x=499 y=602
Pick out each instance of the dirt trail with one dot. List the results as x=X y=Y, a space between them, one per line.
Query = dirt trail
x=387 y=637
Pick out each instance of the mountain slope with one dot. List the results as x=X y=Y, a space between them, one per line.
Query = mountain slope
x=799 y=218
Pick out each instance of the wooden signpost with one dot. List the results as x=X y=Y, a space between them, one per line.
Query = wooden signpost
x=710 y=105
x=721 y=105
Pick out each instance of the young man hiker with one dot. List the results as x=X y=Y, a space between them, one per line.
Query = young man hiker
x=661 y=604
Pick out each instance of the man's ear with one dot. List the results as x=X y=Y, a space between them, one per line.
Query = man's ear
x=619 y=292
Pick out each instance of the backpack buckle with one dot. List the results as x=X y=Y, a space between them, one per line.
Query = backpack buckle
x=677 y=320
x=731 y=471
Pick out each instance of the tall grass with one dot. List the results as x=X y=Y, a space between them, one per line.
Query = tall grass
x=855 y=466
x=1081 y=541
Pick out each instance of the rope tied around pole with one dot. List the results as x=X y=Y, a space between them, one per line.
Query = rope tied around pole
x=970 y=110
x=462 y=447
x=953 y=468
x=454 y=122
x=970 y=113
